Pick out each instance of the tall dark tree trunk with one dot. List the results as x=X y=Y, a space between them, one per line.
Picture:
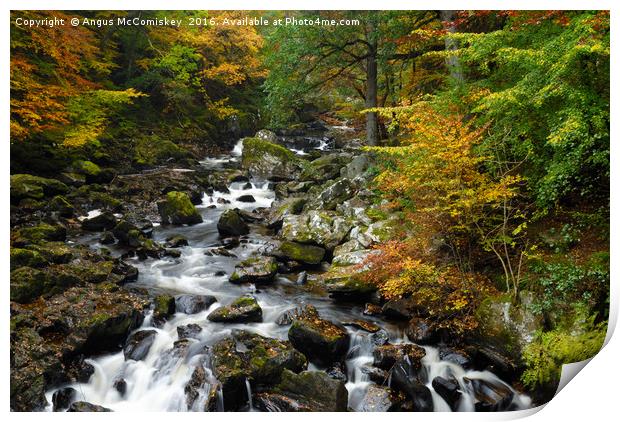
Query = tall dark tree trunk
x=372 y=133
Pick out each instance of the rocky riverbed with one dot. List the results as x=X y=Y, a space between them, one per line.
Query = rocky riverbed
x=228 y=285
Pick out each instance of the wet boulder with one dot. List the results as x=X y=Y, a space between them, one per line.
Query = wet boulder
x=243 y=309
x=192 y=304
x=386 y=356
x=347 y=284
x=266 y=160
x=104 y=221
x=62 y=398
x=177 y=241
x=376 y=375
x=404 y=380
x=368 y=326
x=201 y=384
x=257 y=269
x=309 y=391
x=307 y=254
x=323 y=228
x=189 y=331
x=257 y=359
x=138 y=344
x=421 y=331
x=448 y=389
x=120 y=385
x=320 y=340
x=381 y=399
x=82 y=406
x=177 y=208
x=490 y=396
x=164 y=307
x=246 y=198
x=231 y=224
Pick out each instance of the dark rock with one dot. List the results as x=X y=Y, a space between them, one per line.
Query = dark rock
x=231 y=224
x=246 y=198
x=320 y=340
x=60 y=205
x=138 y=344
x=189 y=331
x=223 y=201
x=198 y=384
x=402 y=309
x=459 y=357
x=61 y=399
x=257 y=269
x=192 y=304
x=243 y=309
x=82 y=406
x=387 y=355
x=247 y=186
x=172 y=253
x=99 y=223
x=176 y=241
x=405 y=381
x=120 y=385
x=376 y=375
x=380 y=338
x=448 y=389
x=420 y=331
x=107 y=238
x=381 y=399
x=337 y=372
x=489 y=397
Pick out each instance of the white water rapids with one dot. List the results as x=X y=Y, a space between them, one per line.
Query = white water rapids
x=157 y=382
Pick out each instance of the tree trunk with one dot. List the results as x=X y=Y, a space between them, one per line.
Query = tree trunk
x=372 y=135
x=452 y=61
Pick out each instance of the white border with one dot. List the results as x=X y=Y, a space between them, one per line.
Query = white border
x=592 y=395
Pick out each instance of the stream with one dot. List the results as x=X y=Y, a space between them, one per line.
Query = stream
x=157 y=383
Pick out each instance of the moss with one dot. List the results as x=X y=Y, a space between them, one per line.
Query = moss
x=256 y=147
x=243 y=302
x=152 y=150
x=177 y=208
x=54 y=252
x=164 y=306
x=27 y=284
x=60 y=204
x=41 y=232
x=34 y=187
x=26 y=258
x=304 y=253
x=376 y=214
x=87 y=168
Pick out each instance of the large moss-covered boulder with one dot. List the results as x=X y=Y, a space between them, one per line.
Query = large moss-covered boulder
x=279 y=209
x=348 y=283
x=323 y=228
x=243 y=309
x=231 y=224
x=320 y=340
x=28 y=283
x=48 y=338
x=26 y=258
x=92 y=172
x=259 y=360
x=309 y=391
x=256 y=269
x=307 y=254
x=34 y=187
x=265 y=160
x=177 y=208
x=506 y=326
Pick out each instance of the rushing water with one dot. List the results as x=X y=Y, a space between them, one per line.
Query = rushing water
x=157 y=382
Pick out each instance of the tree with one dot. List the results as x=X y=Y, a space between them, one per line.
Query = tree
x=312 y=60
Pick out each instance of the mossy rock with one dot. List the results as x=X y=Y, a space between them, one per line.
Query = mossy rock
x=230 y=223
x=87 y=168
x=243 y=309
x=102 y=222
x=40 y=233
x=34 y=187
x=153 y=150
x=346 y=283
x=259 y=269
x=265 y=160
x=54 y=252
x=164 y=307
x=60 y=205
x=307 y=254
x=26 y=258
x=177 y=208
x=320 y=340
x=324 y=168
x=27 y=284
